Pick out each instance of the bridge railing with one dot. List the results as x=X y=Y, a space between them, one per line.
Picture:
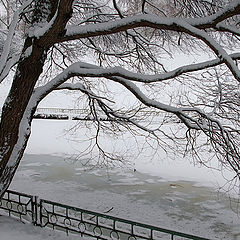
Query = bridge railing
x=61 y=111
x=86 y=223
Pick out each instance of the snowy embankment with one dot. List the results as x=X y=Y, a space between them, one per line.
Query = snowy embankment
x=173 y=204
x=12 y=229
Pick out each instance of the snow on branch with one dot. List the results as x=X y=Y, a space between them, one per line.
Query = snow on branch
x=230 y=10
x=90 y=70
x=8 y=66
x=70 y=86
x=226 y=28
x=38 y=31
x=4 y=67
x=217 y=49
x=149 y=20
x=193 y=27
x=52 y=26
x=144 y=20
x=193 y=118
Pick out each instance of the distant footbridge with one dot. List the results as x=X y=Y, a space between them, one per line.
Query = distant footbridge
x=63 y=114
x=82 y=115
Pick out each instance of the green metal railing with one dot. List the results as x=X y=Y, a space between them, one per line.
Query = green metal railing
x=19 y=204
x=74 y=220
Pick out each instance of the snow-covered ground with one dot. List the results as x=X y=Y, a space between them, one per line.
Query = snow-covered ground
x=13 y=229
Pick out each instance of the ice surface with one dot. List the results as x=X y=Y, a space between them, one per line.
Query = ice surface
x=175 y=204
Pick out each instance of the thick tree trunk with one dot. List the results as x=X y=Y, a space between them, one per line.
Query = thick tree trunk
x=27 y=74
x=18 y=111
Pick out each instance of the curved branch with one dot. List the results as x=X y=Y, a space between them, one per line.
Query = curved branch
x=8 y=66
x=148 y=20
x=217 y=49
x=224 y=28
x=89 y=70
x=193 y=118
x=8 y=42
x=229 y=11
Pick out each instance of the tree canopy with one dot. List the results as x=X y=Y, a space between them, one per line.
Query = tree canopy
x=97 y=47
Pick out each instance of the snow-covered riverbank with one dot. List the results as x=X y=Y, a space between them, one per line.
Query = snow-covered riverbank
x=12 y=229
x=177 y=204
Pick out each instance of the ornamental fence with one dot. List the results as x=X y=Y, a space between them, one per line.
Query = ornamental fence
x=73 y=220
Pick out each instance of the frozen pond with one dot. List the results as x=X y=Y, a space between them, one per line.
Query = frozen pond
x=178 y=205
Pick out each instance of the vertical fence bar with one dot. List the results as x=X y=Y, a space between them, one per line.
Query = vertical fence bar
x=9 y=211
x=151 y=234
x=33 y=210
x=36 y=211
x=40 y=214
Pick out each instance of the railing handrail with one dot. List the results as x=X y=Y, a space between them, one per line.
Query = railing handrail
x=180 y=234
x=36 y=205
x=61 y=110
x=20 y=193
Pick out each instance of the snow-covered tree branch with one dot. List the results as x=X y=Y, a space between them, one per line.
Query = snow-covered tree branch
x=95 y=48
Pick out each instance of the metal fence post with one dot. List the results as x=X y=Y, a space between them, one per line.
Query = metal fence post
x=36 y=211
x=40 y=213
